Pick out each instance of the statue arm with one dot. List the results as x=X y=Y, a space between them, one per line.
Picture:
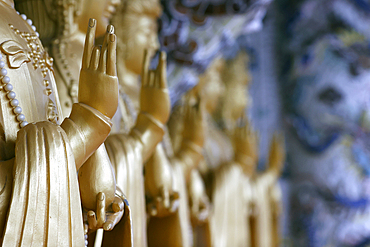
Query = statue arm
x=90 y=120
x=190 y=152
x=159 y=183
x=86 y=129
x=149 y=132
x=189 y=155
x=154 y=106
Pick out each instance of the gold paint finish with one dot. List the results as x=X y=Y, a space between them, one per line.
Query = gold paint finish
x=45 y=207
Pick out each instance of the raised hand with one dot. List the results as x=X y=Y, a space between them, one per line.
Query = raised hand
x=154 y=98
x=277 y=153
x=105 y=217
x=98 y=86
x=194 y=124
x=245 y=141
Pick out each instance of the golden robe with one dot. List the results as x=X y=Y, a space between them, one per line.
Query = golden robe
x=232 y=199
x=125 y=155
x=268 y=204
x=40 y=200
x=45 y=207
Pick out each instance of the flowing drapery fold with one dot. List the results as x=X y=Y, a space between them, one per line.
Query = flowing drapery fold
x=45 y=206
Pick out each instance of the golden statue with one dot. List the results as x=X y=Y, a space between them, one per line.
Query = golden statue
x=40 y=202
x=218 y=147
x=136 y=138
x=174 y=229
x=235 y=98
x=66 y=44
x=233 y=197
x=268 y=199
x=230 y=176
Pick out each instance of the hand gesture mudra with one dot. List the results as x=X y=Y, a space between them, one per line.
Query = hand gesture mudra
x=245 y=141
x=106 y=216
x=194 y=124
x=154 y=98
x=98 y=86
x=277 y=152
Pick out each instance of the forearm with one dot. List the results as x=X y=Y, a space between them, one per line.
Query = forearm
x=149 y=132
x=189 y=154
x=86 y=129
x=96 y=175
x=158 y=172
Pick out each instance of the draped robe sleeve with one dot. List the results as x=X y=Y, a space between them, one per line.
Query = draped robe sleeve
x=45 y=207
x=128 y=153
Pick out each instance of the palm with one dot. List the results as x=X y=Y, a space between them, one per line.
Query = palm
x=154 y=98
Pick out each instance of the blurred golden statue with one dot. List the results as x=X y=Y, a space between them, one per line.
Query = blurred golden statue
x=40 y=202
x=66 y=45
x=174 y=229
x=233 y=196
x=235 y=98
x=268 y=199
x=136 y=138
x=218 y=147
x=230 y=177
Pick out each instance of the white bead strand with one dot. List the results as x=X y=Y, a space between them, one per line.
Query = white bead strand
x=10 y=94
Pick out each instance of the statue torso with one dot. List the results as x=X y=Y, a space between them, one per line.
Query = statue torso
x=31 y=74
x=218 y=148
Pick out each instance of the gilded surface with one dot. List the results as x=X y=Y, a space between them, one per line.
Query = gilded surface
x=268 y=202
x=174 y=229
x=46 y=155
x=168 y=184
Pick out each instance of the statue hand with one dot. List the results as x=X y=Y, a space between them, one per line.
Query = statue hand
x=163 y=205
x=198 y=199
x=277 y=152
x=194 y=122
x=154 y=98
x=98 y=86
x=104 y=217
x=245 y=141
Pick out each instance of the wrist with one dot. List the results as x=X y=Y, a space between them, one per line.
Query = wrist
x=86 y=128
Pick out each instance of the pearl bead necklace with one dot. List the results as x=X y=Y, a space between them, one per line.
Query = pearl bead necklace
x=8 y=87
x=14 y=103
x=29 y=21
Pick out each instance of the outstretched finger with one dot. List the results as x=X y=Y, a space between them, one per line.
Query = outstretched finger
x=145 y=71
x=151 y=79
x=100 y=208
x=162 y=70
x=91 y=220
x=195 y=207
x=89 y=43
x=94 y=62
x=111 y=60
x=200 y=109
x=112 y=220
x=174 y=202
x=118 y=205
x=103 y=54
x=166 y=198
